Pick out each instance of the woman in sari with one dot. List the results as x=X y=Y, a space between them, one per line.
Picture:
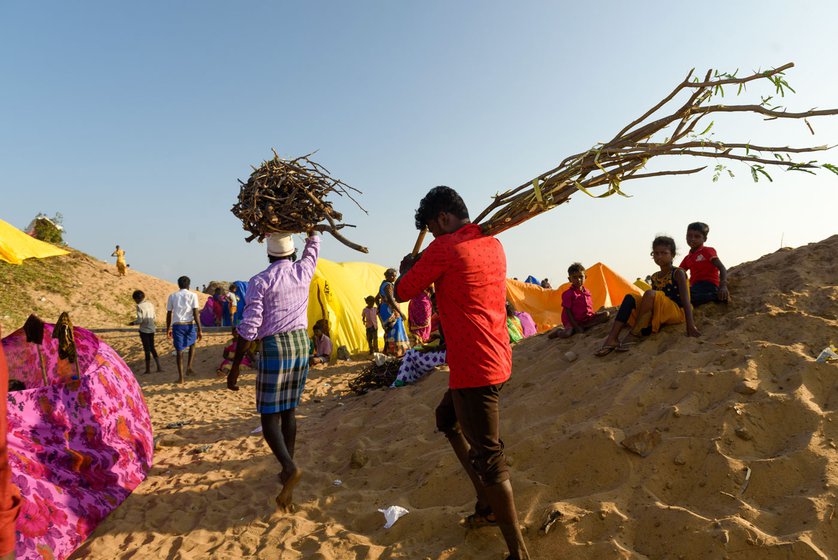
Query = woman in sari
x=392 y=318
x=419 y=312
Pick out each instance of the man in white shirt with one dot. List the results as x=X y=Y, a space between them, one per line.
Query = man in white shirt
x=182 y=324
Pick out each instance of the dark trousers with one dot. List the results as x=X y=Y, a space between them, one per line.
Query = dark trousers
x=148 y=344
x=475 y=413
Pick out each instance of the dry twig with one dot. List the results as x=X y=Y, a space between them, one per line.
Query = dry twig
x=289 y=196
x=622 y=158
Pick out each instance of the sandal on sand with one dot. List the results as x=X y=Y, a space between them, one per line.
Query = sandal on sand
x=482 y=517
x=605 y=350
x=627 y=343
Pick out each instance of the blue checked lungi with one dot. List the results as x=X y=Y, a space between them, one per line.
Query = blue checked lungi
x=282 y=371
x=184 y=336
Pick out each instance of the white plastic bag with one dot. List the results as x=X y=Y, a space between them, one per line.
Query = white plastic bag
x=392 y=514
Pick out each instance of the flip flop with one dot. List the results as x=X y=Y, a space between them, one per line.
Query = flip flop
x=605 y=350
x=482 y=517
x=626 y=345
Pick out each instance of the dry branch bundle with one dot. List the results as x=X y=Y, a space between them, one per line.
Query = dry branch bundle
x=622 y=158
x=290 y=196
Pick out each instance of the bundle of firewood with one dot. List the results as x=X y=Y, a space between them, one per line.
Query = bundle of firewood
x=290 y=196
x=376 y=377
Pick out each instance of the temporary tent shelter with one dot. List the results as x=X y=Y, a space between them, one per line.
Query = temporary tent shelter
x=606 y=286
x=337 y=294
x=15 y=246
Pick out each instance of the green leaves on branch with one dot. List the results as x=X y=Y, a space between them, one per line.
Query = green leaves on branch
x=757 y=170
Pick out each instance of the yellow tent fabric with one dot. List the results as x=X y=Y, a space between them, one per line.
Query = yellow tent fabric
x=606 y=286
x=15 y=246
x=337 y=293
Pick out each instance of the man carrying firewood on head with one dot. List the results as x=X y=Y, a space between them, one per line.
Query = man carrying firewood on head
x=276 y=316
x=468 y=270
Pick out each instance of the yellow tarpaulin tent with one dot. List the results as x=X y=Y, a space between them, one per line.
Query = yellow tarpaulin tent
x=15 y=246
x=606 y=286
x=337 y=293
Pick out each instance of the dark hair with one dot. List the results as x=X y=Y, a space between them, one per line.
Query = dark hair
x=700 y=227
x=440 y=199
x=664 y=241
x=575 y=267
x=292 y=257
x=183 y=282
x=510 y=308
x=232 y=287
x=218 y=291
x=369 y=299
x=138 y=296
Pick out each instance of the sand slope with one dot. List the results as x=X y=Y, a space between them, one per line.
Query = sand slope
x=89 y=289
x=739 y=425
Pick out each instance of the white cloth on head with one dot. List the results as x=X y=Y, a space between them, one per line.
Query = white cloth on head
x=280 y=245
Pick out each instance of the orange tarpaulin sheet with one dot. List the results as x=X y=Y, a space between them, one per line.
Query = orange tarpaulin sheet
x=606 y=286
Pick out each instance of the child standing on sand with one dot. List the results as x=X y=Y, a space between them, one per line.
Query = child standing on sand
x=145 y=319
x=667 y=303
x=708 y=276
x=577 y=306
x=370 y=317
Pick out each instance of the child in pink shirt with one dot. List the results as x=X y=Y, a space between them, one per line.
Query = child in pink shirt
x=370 y=317
x=577 y=308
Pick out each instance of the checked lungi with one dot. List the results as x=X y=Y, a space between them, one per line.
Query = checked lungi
x=282 y=371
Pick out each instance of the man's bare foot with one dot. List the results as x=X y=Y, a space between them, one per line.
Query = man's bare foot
x=146 y=372
x=190 y=372
x=283 y=500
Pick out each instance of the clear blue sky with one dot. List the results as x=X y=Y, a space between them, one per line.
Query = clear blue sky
x=134 y=120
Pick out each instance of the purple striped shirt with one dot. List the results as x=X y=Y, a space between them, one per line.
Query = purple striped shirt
x=277 y=297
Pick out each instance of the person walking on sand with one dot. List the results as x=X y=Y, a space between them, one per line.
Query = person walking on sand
x=468 y=270
x=145 y=320
x=276 y=315
x=183 y=325
x=120 y=260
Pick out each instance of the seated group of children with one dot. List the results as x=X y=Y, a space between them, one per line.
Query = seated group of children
x=669 y=302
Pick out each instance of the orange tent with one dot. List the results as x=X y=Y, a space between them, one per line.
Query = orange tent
x=606 y=286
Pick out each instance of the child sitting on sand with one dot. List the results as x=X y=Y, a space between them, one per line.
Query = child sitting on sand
x=370 y=317
x=322 y=347
x=708 y=276
x=513 y=324
x=577 y=306
x=667 y=303
x=230 y=352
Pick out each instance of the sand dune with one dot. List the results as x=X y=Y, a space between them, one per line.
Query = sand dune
x=738 y=429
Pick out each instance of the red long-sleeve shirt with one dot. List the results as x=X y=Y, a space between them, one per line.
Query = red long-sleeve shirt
x=468 y=271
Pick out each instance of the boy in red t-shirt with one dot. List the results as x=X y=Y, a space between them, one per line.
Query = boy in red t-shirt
x=708 y=276
x=577 y=308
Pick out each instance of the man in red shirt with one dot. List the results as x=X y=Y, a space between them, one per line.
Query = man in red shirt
x=468 y=270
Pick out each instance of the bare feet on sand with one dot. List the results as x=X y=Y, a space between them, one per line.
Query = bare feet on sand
x=283 y=501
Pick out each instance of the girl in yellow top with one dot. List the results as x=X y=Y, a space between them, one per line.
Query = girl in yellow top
x=667 y=303
x=120 y=260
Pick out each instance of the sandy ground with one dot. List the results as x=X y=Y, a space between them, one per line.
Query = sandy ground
x=734 y=438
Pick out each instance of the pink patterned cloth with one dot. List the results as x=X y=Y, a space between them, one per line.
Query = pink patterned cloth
x=419 y=316
x=77 y=445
